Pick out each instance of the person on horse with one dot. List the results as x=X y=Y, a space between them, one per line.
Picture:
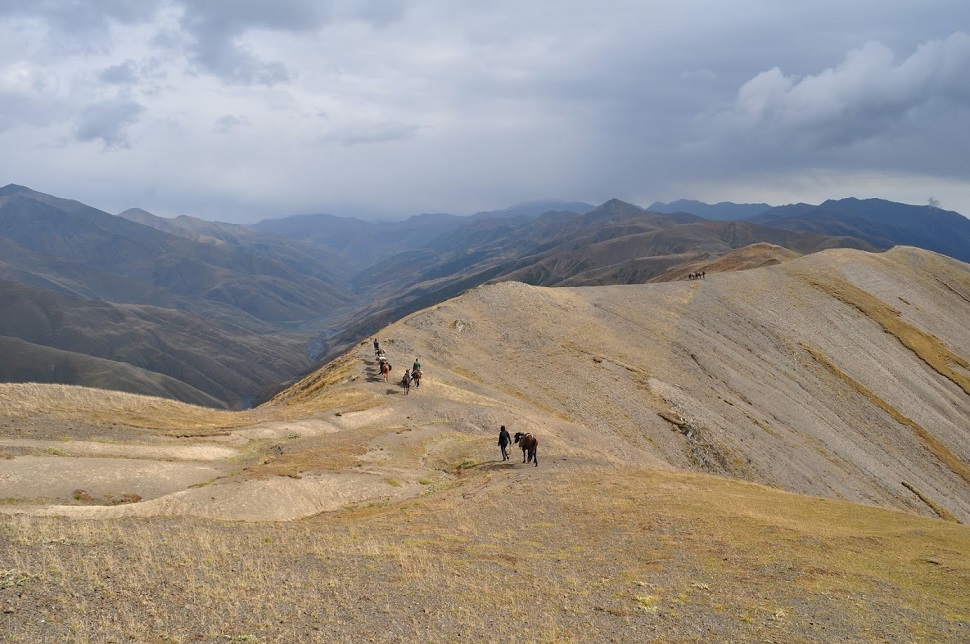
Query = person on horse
x=416 y=372
x=377 y=345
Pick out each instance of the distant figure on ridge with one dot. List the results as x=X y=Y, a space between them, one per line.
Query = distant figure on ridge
x=377 y=346
x=504 y=440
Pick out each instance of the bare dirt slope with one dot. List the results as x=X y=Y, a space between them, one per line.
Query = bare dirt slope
x=839 y=374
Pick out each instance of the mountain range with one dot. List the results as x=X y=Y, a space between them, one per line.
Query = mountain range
x=882 y=223
x=225 y=314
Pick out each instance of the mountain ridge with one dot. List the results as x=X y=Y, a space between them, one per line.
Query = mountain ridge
x=327 y=281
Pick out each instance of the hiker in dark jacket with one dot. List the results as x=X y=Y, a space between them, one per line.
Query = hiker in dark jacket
x=504 y=440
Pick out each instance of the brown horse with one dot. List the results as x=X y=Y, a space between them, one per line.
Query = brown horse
x=530 y=445
x=385 y=369
x=406 y=381
x=416 y=377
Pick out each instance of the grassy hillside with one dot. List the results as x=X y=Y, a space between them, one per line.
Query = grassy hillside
x=774 y=454
x=573 y=555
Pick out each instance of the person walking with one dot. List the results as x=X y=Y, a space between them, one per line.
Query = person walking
x=504 y=440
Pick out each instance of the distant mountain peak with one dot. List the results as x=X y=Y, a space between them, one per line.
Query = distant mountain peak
x=12 y=189
x=616 y=207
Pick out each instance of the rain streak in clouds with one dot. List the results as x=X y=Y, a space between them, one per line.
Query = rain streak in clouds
x=238 y=110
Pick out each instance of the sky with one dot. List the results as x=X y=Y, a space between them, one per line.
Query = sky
x=242 y=110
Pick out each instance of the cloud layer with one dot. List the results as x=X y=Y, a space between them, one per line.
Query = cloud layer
x=242 y=109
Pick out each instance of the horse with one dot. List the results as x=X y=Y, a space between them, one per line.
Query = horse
x=385 y=369
x=416 y=377
x=530 y=445
x=406 y=381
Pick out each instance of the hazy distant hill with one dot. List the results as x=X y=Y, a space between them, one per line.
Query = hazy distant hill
x=534 y=209
x=363 y=243
x=61 y=244
x=881 y=223
x=723 y=211
x=216 y=308
x=27 y=362
x=301 y=257
x=215 y=361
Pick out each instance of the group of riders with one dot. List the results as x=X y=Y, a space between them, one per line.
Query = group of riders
x=527 y=441
x=410 y=375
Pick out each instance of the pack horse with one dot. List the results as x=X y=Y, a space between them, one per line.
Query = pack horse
x=530 y=445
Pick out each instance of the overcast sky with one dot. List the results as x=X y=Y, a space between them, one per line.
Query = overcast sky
x=240 y=110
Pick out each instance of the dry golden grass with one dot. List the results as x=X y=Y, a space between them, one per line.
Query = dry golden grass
x=928 y=348
x=581 y=553
x=100 y=407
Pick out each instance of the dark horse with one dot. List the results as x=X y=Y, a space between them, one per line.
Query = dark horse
x=406 y=381
x=530 y=445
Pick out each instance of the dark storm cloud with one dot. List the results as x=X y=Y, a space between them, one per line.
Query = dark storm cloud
x=107 y=122
x=230 y=122
x=82 y=15
x=216 y=27
x=123 y=74
x=79 y=25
